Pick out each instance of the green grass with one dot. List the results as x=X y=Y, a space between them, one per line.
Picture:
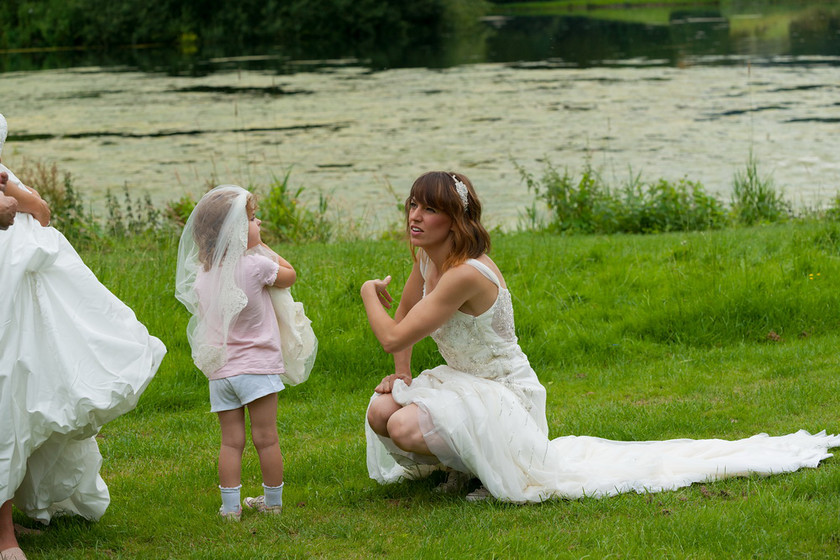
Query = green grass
x=635 y=337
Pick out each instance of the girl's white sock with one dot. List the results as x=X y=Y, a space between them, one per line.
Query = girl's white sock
x=273 y=495
x=230 y=499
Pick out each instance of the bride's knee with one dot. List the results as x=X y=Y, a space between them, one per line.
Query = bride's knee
x=403 y=431
x=378 y=414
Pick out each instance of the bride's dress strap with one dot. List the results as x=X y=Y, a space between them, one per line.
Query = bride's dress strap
x=485 y=270
x=423 y=261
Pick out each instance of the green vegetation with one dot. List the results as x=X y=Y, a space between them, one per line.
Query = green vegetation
x=755 y=199
x=285 y=218
x=722 y=333
x=584 y=204
x=588 y=204
x=767 y=19
x=561 y=7
x=323 y=23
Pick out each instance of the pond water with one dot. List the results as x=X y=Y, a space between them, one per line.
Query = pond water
x=681 y=94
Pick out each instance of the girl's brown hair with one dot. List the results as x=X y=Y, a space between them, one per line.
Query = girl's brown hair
x=437 y=190
x=210 y=213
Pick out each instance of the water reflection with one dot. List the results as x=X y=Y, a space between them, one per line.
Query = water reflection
x=672 y=38
x=643 y=36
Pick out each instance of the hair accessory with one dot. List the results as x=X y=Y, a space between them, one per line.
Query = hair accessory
x=4 y=130
x=461 y=189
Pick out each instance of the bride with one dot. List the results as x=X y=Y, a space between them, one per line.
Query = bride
x=482 y=414
x=72 y=357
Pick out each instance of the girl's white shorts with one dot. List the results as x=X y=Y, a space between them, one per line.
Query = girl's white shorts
x=230 y=393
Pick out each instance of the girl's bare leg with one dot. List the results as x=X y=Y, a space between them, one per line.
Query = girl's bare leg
x=263 y=412
x=232 y=424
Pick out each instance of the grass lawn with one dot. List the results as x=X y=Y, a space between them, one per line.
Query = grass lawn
x=717 y=334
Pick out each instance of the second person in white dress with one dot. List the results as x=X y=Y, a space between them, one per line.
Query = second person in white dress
x=482 y=414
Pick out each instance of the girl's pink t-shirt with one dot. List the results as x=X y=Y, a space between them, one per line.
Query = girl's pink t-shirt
x=253 y=344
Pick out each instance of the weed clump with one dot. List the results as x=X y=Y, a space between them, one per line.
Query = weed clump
x=755 y=199
x=587 y=204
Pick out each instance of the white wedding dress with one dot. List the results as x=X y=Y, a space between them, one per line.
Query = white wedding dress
x=484 y=413
x=73 y=357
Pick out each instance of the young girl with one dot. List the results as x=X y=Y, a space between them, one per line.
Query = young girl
x=222 y=279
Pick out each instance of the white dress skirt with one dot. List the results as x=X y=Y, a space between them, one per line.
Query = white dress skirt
x=72 y=357
x=484 y=413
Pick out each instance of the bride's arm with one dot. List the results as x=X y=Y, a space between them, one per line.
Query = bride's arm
x=455 y=287
x=411 y=294
x=29 y=201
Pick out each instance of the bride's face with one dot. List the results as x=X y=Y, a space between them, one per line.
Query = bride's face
x=427 y=226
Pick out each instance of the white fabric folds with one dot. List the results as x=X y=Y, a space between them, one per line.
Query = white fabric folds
x=297 y=338
x=73 y=358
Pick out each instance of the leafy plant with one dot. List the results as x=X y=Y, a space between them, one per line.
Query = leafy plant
x=588 y=205
x=178 y=211
x=285 y=219
x=67 y=208
x=133 y=216
x=755 y=199
x=665 y=206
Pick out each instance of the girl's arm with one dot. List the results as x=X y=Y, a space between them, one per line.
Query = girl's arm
x=455 y=287
x=286 y=276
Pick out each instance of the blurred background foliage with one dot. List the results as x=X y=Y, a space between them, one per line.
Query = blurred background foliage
x=325 y=24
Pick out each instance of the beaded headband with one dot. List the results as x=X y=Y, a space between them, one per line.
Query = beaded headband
x=461 y=189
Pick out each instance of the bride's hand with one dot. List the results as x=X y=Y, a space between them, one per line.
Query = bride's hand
x=381 y=289
x=41 y=212
x=387 y=382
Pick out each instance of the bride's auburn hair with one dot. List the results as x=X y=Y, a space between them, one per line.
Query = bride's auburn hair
x=438 y=190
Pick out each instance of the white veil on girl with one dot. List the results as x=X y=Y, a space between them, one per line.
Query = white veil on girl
x=4 y=131
x=214 y=239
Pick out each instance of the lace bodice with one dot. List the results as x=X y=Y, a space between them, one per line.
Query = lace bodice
x=484 y=345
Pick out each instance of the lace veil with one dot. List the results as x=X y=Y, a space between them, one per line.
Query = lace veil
x=4 y=131
x=213 y=241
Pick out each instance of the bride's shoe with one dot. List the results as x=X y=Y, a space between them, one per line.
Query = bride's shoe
x=455 y=483
x=479 y=494
x=13 y=553
x=21 y=530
